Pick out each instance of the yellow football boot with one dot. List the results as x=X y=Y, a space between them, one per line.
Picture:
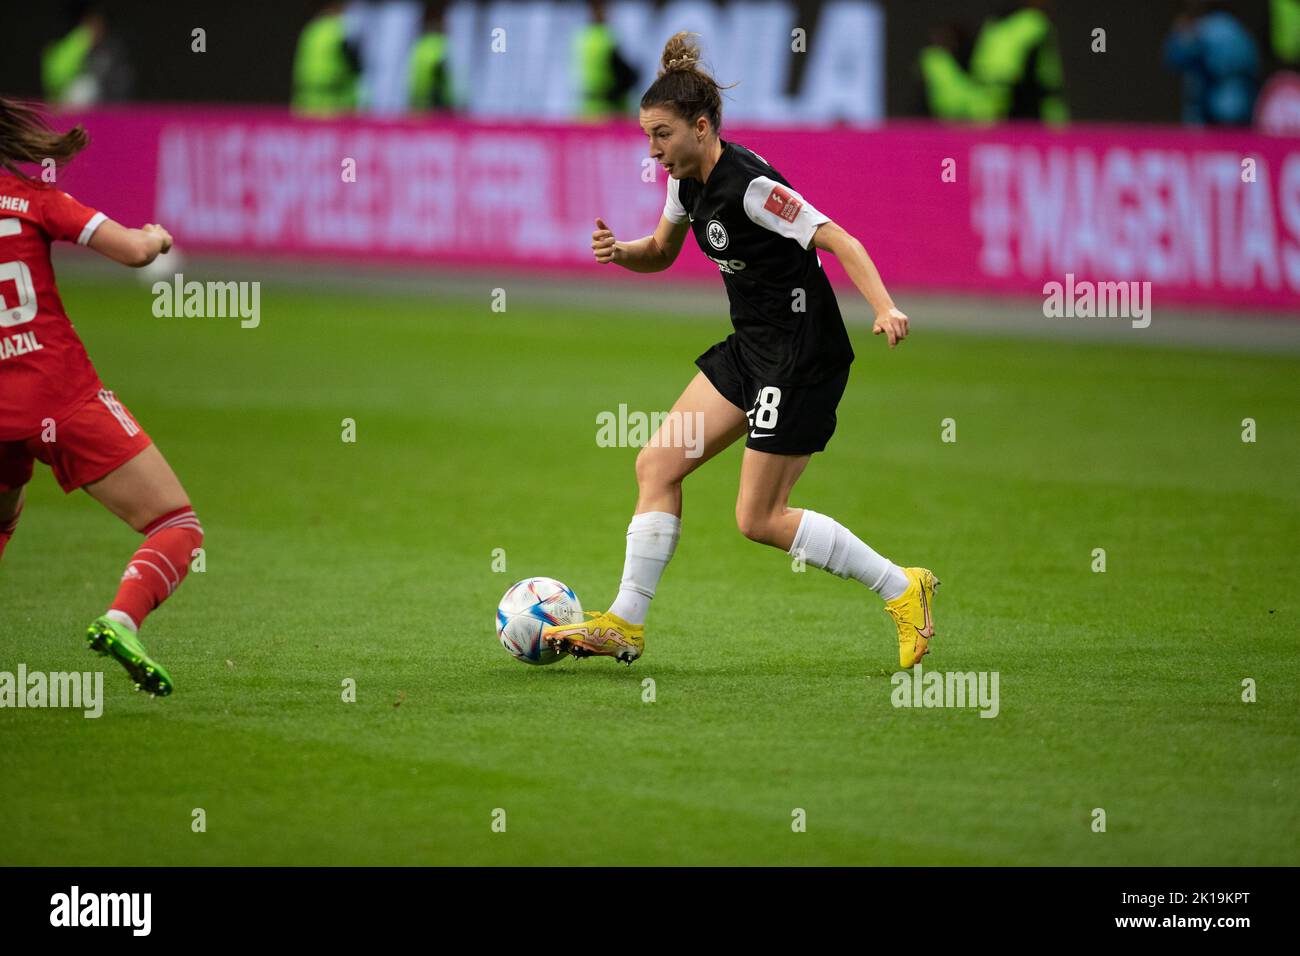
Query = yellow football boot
x=602 y=635
x=913 y=612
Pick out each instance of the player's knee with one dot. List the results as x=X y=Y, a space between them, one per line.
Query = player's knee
x=754 y=525
x=656 y=468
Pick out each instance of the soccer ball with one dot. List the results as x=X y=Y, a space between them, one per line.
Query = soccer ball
x=529 y=606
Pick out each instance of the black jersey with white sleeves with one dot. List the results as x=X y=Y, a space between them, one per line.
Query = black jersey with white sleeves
x=758 y=230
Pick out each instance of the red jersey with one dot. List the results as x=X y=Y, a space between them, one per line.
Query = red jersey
x=44 y=369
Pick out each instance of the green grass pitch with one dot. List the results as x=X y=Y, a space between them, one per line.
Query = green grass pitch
x=476 y=430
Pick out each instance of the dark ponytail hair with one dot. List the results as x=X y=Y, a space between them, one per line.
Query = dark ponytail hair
x=683 y=85
x=26 y=137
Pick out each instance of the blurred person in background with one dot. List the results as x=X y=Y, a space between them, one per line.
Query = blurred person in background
x=429 y=75
x=948 y=89
x=1017 y=59
x=327 y=65
x=1277 y=107
x=1219 y=60
x=604 y=76
x=87 y=64
x=1284 y=30
x=1011 y=71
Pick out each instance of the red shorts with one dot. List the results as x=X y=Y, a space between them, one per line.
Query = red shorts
x=95 y=439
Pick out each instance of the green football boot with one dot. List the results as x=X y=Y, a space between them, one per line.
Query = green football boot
x=106 y=636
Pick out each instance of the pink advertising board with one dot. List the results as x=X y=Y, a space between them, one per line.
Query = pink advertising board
x=1206 y=217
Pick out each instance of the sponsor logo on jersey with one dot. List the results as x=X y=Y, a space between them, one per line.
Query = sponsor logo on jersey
x=716 y=234
x=729 y=265
x=781 y=203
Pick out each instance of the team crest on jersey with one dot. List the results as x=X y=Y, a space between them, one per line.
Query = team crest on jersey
x=716 y=234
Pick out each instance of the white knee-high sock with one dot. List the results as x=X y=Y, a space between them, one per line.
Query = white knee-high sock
x=827 y=544
x=651 y=539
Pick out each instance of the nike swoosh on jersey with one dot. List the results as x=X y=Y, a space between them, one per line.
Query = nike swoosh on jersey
x=764 y=435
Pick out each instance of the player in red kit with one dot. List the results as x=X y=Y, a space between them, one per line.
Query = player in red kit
x=54 y=408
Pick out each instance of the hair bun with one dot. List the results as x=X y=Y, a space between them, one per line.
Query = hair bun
x=680 y=53
x=686 y=61
x=684 y=85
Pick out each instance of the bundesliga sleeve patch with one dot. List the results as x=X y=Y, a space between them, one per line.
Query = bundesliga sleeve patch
x=781 y=203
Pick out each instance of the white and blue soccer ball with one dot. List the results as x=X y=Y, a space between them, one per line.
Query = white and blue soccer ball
x=529 y=606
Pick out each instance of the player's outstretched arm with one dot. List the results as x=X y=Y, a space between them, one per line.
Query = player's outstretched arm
x=652 y=253
x=131 y=247
x=853 y=256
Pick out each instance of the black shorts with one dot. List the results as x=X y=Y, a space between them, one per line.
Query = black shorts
x=783 y=419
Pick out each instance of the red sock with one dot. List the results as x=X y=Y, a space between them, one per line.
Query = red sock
x=7 y=529
x=160 y=564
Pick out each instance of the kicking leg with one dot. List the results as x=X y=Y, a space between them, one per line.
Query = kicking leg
x=700 y=425
x=146 y=494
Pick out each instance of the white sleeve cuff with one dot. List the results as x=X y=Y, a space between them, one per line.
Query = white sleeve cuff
x=89 y=228
x=674 y=211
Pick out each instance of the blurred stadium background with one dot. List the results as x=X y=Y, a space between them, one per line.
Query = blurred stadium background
x=979 y=150
x=1103 y=140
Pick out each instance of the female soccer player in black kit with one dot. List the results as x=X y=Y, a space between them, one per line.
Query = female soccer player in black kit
x=777 y=379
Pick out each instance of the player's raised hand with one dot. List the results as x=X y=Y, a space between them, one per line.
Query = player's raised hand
x=602 y=242
x=893 y=324
x=157 y=230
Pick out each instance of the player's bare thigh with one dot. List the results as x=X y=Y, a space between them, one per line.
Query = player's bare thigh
x=141 y=490
x=762 y=506
x=700 y=424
